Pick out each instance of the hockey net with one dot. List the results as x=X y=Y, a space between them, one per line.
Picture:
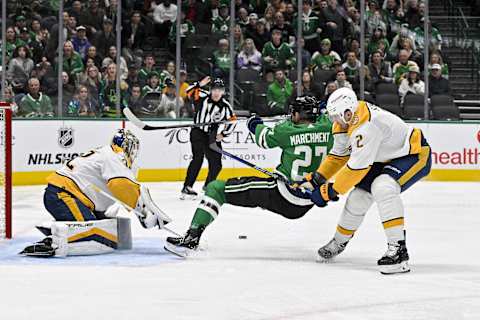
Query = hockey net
x=5 y=171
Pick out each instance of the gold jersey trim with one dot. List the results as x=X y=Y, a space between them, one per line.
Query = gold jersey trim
x=71 y=186
x=125 y=190
x=361 y=116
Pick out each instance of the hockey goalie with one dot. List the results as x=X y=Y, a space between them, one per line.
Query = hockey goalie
x=82 y=197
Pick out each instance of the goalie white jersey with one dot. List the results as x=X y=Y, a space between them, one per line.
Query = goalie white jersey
x=105 y=168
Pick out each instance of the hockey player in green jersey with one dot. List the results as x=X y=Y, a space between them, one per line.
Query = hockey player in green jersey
x=305 y=140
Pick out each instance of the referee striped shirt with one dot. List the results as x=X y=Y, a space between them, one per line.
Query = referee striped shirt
x=206 y=110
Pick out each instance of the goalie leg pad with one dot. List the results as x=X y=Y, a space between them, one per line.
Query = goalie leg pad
x=90 y=237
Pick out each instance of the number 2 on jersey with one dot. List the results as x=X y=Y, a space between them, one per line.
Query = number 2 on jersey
x=320 y=151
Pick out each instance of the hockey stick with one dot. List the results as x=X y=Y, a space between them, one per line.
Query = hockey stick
x=138 y=214
x=215 y=148
x=142 y=125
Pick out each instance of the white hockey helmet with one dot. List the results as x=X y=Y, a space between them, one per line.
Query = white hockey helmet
x=341 y=100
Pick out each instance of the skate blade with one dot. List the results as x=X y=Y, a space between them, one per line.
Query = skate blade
x=37 y=254
x=187 y=197
x=402 y=267
x=178 y=251
x=321 y=259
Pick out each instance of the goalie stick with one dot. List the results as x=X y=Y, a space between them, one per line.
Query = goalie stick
x=160 y=226
x=215 y=148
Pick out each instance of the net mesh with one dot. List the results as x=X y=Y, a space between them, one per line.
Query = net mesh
x=2 y=173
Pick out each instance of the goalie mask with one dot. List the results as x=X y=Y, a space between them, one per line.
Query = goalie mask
x=307 y=106
x=128 y=143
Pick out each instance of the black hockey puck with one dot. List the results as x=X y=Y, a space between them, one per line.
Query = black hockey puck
x=242 y=236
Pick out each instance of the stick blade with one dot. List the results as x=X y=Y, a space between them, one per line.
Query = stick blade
x=133 y=119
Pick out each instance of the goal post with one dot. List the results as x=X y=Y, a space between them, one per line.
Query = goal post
x=5 y=171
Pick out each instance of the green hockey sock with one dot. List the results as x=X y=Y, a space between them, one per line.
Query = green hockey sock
x=210 y=205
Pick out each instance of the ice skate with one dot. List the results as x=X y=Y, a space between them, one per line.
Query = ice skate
x=329 y=251
x=188 y=194
x=183 y=246
x=44 y=248
x=395 y=260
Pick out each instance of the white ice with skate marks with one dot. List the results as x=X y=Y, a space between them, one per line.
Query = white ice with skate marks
x=270 y=275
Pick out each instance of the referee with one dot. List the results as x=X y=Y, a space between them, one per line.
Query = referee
x=209 y=107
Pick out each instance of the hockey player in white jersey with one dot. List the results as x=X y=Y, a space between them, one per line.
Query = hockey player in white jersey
x=379 y=156
x=80 y=196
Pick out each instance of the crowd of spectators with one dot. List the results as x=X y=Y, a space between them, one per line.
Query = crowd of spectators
x=265 y=40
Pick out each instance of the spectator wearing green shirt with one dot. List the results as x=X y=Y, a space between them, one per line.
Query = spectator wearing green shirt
x=352 y=70
x=221 y=24
x=72 y=61
x=277 y=54
x=402 y=67
x=153 y=84
x=148 y=67
x=221 y=60
x=186 y=29
x=12 y=42
x=312 y=27
x=435 y=37
x=325 y=58
x=20 y=23
x=108 y=94
x=34 y=103
x=378 y=36
x=279 y=92
x=82 y=105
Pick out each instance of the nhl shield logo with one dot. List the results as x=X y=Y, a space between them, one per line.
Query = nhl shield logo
x=65 y=137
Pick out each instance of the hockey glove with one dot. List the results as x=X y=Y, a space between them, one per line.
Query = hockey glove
x=148 y=213
x=253 y=122
x=312 y=181
x=324 y=193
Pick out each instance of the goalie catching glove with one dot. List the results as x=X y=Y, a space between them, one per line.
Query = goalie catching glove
x=148 y=213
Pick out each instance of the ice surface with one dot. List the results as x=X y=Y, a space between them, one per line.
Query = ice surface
x=271 y=275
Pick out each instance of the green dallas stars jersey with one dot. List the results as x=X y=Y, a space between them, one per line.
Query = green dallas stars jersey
x=304 y=146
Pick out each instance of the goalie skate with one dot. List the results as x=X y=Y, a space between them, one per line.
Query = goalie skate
x=186 y=245
x=395 y=259
x=44 y=248
x=188 y=194
x=328 y=252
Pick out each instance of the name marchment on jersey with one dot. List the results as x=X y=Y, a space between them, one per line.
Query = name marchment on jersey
x=309 y=137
